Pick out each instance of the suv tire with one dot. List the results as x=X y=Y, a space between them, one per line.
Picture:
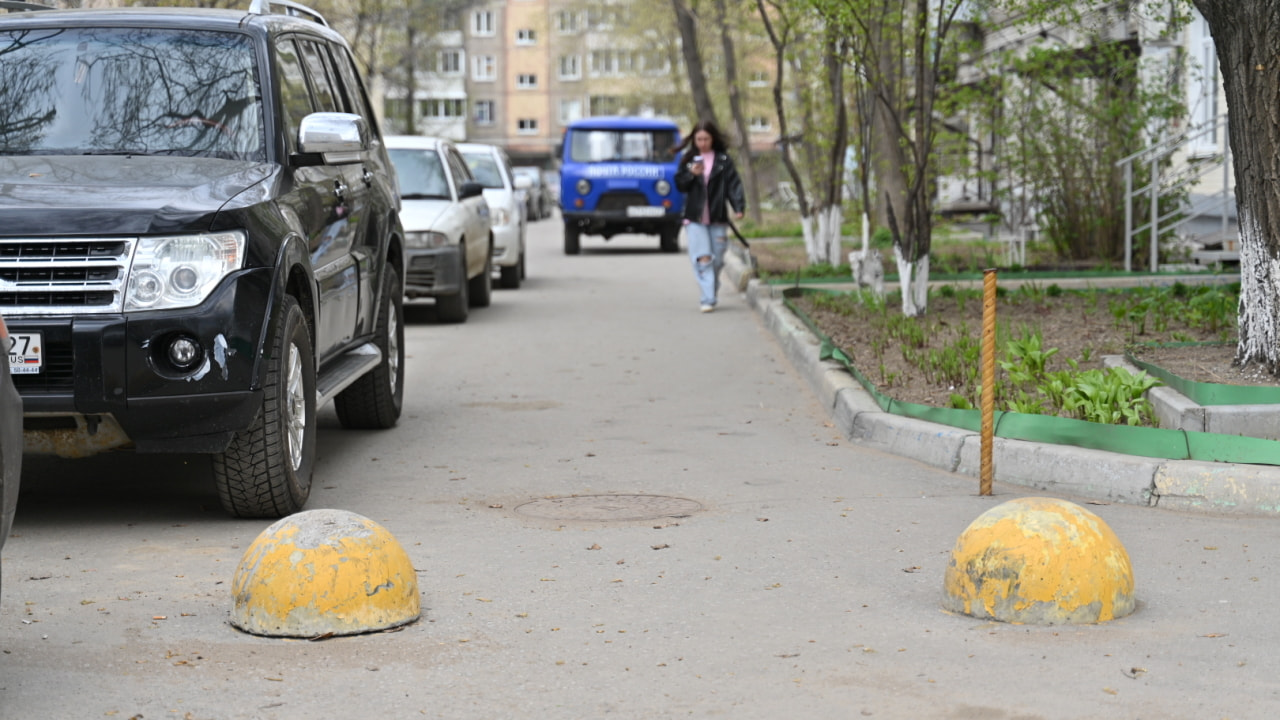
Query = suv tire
x=669 y=240
x=572 y=239
x=374 y=401
x=266 y=471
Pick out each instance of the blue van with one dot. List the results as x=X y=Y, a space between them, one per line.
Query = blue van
x=617 y=175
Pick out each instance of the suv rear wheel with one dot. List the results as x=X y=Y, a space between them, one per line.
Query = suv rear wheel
x=373 y=402
x=266 y=471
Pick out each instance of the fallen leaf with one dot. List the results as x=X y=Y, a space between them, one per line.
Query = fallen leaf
x=594 y=546
x=496 y=506
x=1210 y=547
x=663 y=546
x=1133 y=673
x=1110 y=691
x=762 y=519
x=322 y=636
x=1214 y=635
x=275 y=679
x=911 y=569
x=159 y=617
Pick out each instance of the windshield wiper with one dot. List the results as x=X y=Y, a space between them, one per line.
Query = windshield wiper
x=115 y=152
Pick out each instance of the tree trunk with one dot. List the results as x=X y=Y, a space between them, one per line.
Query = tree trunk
x=739 y=120
x=687 y=23
x=1244 y=32
x=779 y=59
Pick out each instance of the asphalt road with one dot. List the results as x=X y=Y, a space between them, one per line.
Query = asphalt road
x=805 y=584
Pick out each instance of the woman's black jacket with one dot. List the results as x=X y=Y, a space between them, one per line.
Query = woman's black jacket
x=723 y=186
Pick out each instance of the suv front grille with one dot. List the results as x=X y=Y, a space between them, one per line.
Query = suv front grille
x=46 y=277
x=617 y=200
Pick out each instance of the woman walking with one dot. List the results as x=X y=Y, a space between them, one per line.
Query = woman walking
x=710 y=183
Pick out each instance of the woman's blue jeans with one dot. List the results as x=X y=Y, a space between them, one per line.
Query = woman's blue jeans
x=709 y=242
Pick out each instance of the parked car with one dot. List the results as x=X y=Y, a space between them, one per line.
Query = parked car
x=617 y=175
x=448 y=243
x=490 y=165
x=10 y=435
x=201 y=238
x=537 y=198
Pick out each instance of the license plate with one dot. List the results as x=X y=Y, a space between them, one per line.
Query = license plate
x=645 y=211
x=26 y=355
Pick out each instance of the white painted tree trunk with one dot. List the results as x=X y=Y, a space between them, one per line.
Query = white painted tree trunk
x=1259 y=296
x=913 y=282
x=826 y=246
x=810 y=239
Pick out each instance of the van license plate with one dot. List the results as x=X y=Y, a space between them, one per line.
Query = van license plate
x=25 y=354
x=645 y=211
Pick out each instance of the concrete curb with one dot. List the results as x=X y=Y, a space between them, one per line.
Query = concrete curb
x=1219 y=488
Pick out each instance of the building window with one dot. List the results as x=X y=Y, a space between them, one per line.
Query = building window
x=759 y=123
x=449 y=62
x=482 y=112
x=759 y=78
x=567 y=22
x=525 y=36
x=445 y=108
x=482 y=23
x=612 y=62
x=484 y=68
x=527 y=126
x=603 y=105
x=570 y=110
x=570 y=67
x=526 y=81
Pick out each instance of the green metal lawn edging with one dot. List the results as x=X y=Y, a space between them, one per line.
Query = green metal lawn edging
x=1202 y=393
x=1125 y=439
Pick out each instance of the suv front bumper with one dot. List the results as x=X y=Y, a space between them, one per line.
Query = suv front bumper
x=106 y=371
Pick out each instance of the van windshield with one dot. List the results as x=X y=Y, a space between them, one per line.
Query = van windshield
x=648 y=146
x=129 y=91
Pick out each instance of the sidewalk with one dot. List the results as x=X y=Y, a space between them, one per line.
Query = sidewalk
x=1174 y=484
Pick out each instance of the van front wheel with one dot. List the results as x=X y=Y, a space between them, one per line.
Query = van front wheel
x=572 y=239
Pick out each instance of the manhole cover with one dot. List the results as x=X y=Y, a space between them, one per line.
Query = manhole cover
x=609 y=507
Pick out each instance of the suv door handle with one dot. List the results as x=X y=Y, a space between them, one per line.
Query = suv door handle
x=368 y=178
x=340 y=189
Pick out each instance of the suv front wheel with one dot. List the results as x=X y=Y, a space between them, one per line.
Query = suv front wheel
x=266 y=471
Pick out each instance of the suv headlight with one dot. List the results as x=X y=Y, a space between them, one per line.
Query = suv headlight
x=425 y=240
x=181 y=270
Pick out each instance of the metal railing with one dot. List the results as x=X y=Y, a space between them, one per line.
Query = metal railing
x=1166 y=178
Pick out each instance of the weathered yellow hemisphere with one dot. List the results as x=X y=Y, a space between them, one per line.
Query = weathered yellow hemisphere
x=1039 y=561
x=324 y=571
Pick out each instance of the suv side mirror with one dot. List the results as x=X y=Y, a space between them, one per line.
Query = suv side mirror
x=470 y=189
x=339 y=137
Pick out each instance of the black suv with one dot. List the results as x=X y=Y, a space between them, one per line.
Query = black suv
x=199 y=239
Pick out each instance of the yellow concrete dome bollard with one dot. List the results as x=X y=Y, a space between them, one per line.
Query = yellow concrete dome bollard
x=1039 y=561
x=323 y=572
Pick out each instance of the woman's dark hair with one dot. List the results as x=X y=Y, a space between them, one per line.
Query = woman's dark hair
x=690 y=149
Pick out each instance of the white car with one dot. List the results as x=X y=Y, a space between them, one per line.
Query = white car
x=492 y=168
x=448 y=246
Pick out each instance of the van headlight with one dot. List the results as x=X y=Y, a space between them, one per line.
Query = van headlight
x=662 y=187
x=180 y=271
x=583 y=187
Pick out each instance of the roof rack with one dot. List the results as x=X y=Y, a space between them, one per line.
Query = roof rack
x=19 y=6
x=263 y=7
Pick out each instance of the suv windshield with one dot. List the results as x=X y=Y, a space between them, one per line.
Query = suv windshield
x=651 y=146
x=129 y=91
